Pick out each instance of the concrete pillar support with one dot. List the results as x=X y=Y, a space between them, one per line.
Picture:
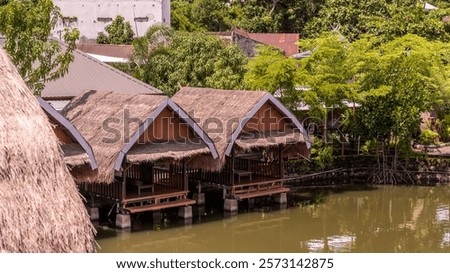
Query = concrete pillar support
x=93 y=213
x=185 y=212
x=199 y=198
x=156 y=215
x=230 y=205
x=123 y=220
x=281 y=198
x=251 y=203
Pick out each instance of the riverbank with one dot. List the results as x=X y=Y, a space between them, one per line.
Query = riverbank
x=361 y=169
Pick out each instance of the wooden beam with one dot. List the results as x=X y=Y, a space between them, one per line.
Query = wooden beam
x=232 y=166
x=152 y=174
x=280 y=162
x=185 y=180
x=124 y=187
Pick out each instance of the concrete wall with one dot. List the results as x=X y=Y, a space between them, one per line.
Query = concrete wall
x=91 y=16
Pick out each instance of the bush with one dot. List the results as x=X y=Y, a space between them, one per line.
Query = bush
x=428 y=136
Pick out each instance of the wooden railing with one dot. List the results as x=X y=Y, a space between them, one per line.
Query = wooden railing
x=110 y=191
x=269 y=169
x=222 y=178
x=168 y=178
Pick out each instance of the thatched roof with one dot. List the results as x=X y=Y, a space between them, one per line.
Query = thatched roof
x=165 y=150
x=223 y=114
x=268 y=139
x=112 y=123
x=40 y=207
x=77 y=153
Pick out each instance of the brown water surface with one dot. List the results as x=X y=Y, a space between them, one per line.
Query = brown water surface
x=382 y=219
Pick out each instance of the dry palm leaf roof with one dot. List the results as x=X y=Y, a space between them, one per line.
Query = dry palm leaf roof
x=223 y=114
x=40 y=207
x=112 y=123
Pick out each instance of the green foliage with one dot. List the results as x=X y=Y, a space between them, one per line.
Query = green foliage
x=386 y=19
x=399 y=80
x=252 y=15
x=119 y=32
x=369 y=147
x=428 y=136
x=393 y=81
x=270 y=71
x=210 y=14
x=180 y=16
x=27 y=26
x=328 y=73
x=445 y=127
x=321 y=154
x=345 y=16
x=189 y=59
x=198 y=15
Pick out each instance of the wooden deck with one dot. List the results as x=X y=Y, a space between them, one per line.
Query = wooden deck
x=257 y=186
x=162 y=198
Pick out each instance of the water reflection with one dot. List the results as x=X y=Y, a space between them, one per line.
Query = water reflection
x=385 y=219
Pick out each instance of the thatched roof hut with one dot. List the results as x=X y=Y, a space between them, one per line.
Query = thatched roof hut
x=226 y=116
x=117 y=127
x=40 y=207
x=77 y=152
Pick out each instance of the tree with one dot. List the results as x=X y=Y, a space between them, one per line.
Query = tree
x=271 y=71
x=119 y=32
x=387 y=19
x=251 y=15
x=398 y=81
x=180 y=16
x=27 y=26
x=273 y=15
x=188 y=59
x=345 y=16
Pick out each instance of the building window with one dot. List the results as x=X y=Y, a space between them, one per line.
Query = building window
x=141 y=19
x=104 y=19
x=67 y=21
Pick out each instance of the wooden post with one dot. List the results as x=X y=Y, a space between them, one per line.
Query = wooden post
x=280 y=163
x=124 y=186
x=152 y=174
x=185 y=181
x=232 y=166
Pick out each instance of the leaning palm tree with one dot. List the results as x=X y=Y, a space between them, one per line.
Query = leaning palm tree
x=40 y=207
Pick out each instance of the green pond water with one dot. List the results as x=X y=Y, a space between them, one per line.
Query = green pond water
x=373 y=219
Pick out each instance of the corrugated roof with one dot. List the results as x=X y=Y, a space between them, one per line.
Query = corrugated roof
x=87 y=73
x=58 y=104
x=117 y=51
x=284 y=41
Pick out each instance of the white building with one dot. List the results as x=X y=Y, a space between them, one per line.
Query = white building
x=91 y=16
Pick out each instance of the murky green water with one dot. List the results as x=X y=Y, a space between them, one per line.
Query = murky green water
x=384 y=219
